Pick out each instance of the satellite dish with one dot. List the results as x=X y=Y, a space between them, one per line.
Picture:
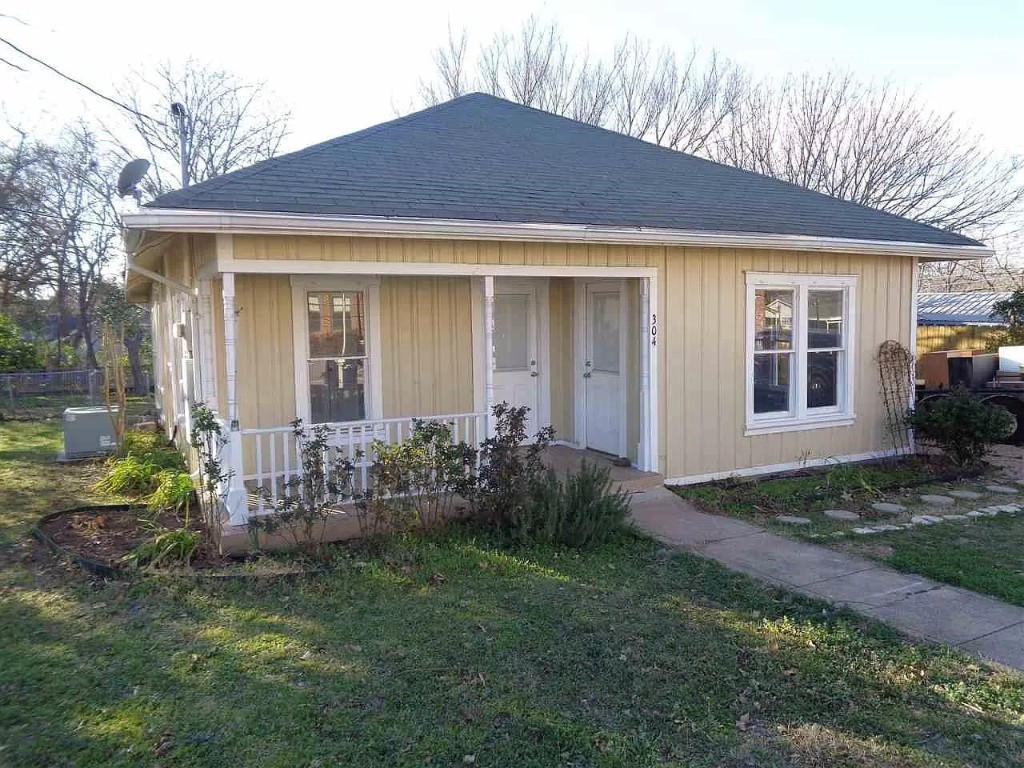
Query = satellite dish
x=130 y=177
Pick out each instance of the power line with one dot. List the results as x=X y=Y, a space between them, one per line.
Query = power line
x=79 y=83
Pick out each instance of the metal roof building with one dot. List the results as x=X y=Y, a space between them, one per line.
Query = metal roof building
x=958 y=308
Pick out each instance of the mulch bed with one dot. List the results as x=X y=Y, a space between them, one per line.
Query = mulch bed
x=98 y=537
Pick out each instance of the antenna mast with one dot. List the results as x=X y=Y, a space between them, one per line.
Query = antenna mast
x=181 y=119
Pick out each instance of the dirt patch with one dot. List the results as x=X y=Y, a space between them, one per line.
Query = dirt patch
x=106 y=534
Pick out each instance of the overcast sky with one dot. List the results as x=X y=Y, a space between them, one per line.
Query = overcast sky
x=340 y=66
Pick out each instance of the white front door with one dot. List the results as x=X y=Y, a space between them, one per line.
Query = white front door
x=603 y=368
x=516 y=368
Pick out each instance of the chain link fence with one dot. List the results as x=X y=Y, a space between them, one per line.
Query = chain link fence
x=46 y=394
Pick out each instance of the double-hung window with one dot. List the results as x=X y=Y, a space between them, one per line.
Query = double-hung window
x=799 y=341
x=336 y=321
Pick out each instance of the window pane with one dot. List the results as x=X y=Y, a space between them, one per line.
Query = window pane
x=773 y=319
x=605 y=329
x=337 y=390
x=822 y=379
x=512 y=332
x=772 y=383
x=824 y=319
x=337 y=323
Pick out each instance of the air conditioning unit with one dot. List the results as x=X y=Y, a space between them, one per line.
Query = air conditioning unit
x=89 y=432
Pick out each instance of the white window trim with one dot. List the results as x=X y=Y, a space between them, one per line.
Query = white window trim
x=805 y=418
x=300 y=335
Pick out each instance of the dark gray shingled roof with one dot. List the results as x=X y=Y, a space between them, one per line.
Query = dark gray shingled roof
x=482 y=158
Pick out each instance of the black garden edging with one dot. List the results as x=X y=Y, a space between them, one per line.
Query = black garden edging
x=97 y=567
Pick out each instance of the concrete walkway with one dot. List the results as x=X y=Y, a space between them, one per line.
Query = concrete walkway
x=915 y=605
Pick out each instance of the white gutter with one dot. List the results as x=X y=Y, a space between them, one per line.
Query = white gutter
x=246 y=222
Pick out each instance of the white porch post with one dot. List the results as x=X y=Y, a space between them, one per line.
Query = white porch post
x=207 y=389
x=651 y=346
x=238 y=511
x=645 y=377
x=489 y=353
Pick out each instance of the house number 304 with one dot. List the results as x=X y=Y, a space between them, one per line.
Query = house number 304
x=654 y=330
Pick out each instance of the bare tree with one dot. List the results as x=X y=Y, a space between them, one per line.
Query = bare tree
x=866 y=142
x=1004 y=271
x=27 y=235
x=872 y=144
x=645 y=93
x=231 y=124
x=78 y=198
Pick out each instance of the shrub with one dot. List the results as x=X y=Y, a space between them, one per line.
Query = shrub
x=311 y=497
x=962 y=425
x=174 y=547
x=16 y=354
x=174 y=491
x=155 y=448
x=580 y=511
x=526 y=501
x=510 y=472
x=591 y=508
x=414 y=483
x=1010 y=312
x=131 y=476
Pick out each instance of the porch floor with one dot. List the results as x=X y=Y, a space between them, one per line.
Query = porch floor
x=564 y=459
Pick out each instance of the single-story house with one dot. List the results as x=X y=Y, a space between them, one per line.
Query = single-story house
x=957 y=320
x=698 y=320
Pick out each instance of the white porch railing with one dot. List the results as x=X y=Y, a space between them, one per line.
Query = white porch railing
x=271 y=455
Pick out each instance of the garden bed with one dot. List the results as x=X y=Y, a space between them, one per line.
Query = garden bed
x=819 y=487
x=99 y=537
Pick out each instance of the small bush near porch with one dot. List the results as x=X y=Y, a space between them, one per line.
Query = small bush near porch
x=452 y=650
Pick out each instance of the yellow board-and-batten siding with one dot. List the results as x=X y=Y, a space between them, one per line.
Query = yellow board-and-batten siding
x=427 y=338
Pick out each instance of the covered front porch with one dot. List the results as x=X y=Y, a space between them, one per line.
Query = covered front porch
x=365 y=348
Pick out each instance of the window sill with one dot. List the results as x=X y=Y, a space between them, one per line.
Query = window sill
x=799 y=425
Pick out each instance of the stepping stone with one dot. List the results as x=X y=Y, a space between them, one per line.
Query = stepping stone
x=926 y=519
x=841 y=514
x=792 y=520
x=956 y=517
x=975 y=513
x=969 y=495
x=865 y=531
x=936 y=500
x=888 y=507
x=1003 y=489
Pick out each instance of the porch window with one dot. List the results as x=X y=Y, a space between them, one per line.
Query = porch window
x=337 y=355
x=799 y=334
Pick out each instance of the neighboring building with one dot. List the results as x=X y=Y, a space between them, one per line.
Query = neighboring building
x=957 y=320
x=699 y=320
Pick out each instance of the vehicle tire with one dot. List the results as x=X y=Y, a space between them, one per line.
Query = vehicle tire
x=1016 y=409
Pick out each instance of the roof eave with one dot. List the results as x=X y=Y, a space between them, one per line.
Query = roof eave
x=256 y=222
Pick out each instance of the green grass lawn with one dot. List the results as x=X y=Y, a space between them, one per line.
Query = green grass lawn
x=31 y=482
x=452 y=651
x=985 y=555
